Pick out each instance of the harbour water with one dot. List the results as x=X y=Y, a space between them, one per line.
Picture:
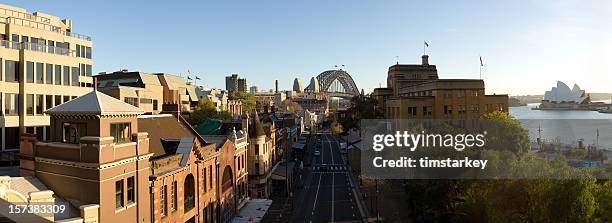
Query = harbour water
x=567 y=127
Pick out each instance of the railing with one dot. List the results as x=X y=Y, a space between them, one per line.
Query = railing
x=22 y=15
x=37 y=47
x=43 y=26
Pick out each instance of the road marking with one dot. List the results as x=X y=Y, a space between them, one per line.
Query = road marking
x=317 y=194
x=333 y=189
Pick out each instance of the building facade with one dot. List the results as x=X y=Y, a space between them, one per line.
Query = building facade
x=235 y=84
x=148 y=91
x=43 y=63
x=414 y=91
x=137 y=168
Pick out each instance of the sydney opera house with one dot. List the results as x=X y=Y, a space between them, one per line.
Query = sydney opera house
x=562 y=97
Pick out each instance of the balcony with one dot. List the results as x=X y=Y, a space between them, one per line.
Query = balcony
x=44 y=26
x=37 y=47
x=21 y=15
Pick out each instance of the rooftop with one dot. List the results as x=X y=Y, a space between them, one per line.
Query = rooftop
x=95 y=103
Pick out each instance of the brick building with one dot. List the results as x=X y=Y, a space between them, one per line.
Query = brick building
x=137 y=168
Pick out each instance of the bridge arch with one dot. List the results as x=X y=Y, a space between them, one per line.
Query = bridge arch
x=327 y=79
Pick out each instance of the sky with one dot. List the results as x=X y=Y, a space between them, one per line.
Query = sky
x=526 y=46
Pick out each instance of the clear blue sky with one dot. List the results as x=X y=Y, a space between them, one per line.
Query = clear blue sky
x=526 y=45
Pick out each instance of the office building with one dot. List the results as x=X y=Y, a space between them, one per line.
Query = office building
x=43 y=63
x=414 y=91
x=235 y=84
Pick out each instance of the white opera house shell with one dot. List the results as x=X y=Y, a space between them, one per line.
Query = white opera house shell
x=563 y=94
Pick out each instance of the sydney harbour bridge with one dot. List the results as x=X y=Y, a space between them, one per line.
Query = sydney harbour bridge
x=335 y=83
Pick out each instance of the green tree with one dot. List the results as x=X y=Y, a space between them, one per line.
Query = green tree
x=205 y=110
x=247 y=99
x=361 y=107
x=504 y=132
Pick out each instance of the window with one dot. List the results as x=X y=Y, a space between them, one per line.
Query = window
x=130 y=190
x=132 y=101
x=427 y=111
x=119 y=194
x=88 y=52
x=73 y=132
x=58 y=74
x=58 y=100
x=11 y=104
x=121 y=132
x=448 y=109
x=256 y=149
x=145 y=101
x=48 y=102
x=461 y=109
x=66 y=98
x=38 y=104
x=412 y=111
x=49 y=73
x=173 y=196
x=75 y=76
x=51 y=46
x=78 y=51
x=210 y=177
x=82 y=67
x=154 y=105
x=11 y=70
x=88 y=70
x=39 y=72
x=204 y=178
x=66 y=75
x=162 y=201
x=30 y=72
x=30 y=104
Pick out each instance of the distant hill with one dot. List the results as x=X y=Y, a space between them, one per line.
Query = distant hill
x=515 y=102
x=600 y=96
x=538 y=98
x=526 y=99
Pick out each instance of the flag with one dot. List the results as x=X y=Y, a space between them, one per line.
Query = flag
x=426 y=44
x=188 y=78
x=188 y=71
x=197 y=78
x=481 y=64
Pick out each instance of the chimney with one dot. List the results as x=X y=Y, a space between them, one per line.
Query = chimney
x=276 y=91
x=425 y=60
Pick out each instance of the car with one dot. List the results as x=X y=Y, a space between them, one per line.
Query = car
x=317 y=153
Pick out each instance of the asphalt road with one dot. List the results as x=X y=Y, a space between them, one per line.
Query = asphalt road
x=327 y=194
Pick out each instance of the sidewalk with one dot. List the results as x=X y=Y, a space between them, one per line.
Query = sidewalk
x=355 y=188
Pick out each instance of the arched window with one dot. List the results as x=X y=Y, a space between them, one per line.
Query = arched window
x=189 y=193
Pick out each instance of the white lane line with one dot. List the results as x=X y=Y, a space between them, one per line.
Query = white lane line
x=317 y=194
x=333 y=189
x=331 y=152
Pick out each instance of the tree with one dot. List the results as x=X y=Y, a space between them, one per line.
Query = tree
x=504 y=132
x=247 y=99
x=205 y=110
x=361 y=107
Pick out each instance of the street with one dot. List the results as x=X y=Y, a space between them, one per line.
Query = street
x=327 y=195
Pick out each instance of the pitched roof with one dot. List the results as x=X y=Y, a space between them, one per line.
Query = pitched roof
x=257 y=129
x=95 y=103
